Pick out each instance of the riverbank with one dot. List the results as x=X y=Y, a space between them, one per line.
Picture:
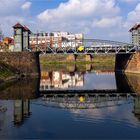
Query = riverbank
x=97 y=60
x=7 y=73
x=75 y=67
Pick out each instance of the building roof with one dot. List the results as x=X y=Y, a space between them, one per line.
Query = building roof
x=26 y=28
x=135 y=27
x=12 y=42
x=8 y=40
x=18 y=25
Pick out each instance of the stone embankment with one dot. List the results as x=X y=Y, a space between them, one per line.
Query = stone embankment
x=22 y=63
x=128 y=63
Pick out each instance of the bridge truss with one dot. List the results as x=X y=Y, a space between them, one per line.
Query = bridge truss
x=87 y=46
x=68 y=101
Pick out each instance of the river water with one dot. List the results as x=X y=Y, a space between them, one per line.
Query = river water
x=71 y=102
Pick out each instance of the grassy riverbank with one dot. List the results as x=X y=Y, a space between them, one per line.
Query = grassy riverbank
x=6 y=72
x=98 y=60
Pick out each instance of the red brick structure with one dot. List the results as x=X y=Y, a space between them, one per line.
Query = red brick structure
x=26 y=63
x=128 y=63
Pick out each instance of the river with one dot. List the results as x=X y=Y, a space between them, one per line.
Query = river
x=71 y=102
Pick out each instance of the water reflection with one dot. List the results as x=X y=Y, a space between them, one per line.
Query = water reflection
x=134 y=82
x=20 y=93
x=21 y=111
x=20 y=89
x=83 y=78
x=113 y=102
x=61 y=80
x=76 y=77
x=136 y=110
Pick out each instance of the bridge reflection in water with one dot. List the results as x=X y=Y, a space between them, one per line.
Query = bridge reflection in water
x=26 y=92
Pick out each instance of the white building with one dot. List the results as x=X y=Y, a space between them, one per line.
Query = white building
x=135 y=32
x=59 y=39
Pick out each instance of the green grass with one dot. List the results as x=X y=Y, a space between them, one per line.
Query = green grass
x=5 y=71
x=79 y=62
x=97 y=60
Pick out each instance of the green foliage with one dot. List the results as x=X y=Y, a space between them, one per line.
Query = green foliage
x=5 y=71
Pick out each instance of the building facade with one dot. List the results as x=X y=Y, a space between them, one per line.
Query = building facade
x=55 y=39
x=135 y=34
x=61 y=80
x=21 y=38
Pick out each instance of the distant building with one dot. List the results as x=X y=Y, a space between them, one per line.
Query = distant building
x=21 y=37
x=135 y=31
x=55 y=39
x=7 y=44
x=60 y=80
x=8 y=40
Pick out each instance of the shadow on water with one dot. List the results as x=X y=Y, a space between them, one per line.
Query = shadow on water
x=122 y=84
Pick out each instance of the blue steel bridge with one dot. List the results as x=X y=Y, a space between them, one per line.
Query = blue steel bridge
x=88 y=46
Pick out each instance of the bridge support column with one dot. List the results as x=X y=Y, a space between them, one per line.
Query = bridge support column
x=88 y=57
x=71 y=57
x=88 y=67
x=71 y=68
x=128 y=63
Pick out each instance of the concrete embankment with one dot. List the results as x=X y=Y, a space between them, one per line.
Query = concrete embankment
x=128 y=63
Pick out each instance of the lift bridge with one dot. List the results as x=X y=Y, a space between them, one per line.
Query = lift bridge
x=86 y=101
x=87 y=46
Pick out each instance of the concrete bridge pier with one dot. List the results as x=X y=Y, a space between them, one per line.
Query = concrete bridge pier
x=74 y=57
x=88 y=57
x=128 y=63
x=71 y=58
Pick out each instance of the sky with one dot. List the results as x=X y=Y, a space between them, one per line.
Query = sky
x=97 y=19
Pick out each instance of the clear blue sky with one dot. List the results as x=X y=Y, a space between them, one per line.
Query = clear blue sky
x=39 y=6
x=105 y=19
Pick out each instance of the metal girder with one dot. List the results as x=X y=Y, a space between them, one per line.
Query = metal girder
x=91 y=46
x=88 y=103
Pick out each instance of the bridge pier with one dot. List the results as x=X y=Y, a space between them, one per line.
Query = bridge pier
x=128 y=63
x=88 y=57
x=71 y=57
